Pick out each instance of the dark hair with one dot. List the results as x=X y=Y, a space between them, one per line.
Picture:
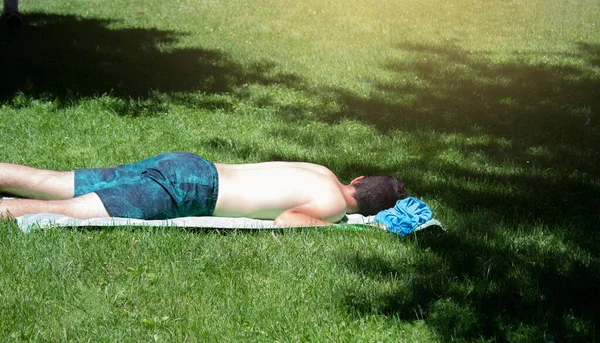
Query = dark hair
x=377 y=193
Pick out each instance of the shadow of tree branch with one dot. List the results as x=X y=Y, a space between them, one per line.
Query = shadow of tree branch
x=66 y=57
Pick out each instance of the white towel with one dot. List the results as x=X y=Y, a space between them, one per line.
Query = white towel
x=47 y=220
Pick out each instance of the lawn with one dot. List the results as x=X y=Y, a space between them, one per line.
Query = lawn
x=488 y=110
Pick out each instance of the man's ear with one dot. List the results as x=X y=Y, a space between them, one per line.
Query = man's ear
x=357 y=180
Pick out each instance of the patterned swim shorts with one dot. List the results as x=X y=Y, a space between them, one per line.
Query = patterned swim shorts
x=170 y=185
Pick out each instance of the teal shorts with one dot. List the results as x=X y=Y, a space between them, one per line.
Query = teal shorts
x=170 y=185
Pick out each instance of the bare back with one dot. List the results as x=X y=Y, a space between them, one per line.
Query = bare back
x=265 y=190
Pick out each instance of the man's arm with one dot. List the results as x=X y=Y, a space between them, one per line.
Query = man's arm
x=312 y=214
x=290 y=218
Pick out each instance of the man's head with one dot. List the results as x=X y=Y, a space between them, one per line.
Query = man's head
x=377 y=193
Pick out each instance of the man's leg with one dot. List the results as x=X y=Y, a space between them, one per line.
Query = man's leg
x=83 y=207
x=27 y=182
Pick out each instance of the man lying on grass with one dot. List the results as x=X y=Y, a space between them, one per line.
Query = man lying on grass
x=180 y=184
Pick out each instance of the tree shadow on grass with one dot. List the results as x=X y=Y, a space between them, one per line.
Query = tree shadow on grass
x=516 y=267
x=527 y=269
x=538 y=126
x=473 y=289
x=482 y=282
x=541 y=125
x=449 y=90
x=67 y=58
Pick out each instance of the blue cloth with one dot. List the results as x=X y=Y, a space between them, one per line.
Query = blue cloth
x=405 y=217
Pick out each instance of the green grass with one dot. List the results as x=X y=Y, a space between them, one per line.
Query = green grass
x=489 y=110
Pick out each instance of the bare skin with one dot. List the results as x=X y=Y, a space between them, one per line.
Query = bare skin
x=47 y=191
x=291 y=193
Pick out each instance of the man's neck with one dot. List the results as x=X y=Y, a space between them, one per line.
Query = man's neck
x=351 y=206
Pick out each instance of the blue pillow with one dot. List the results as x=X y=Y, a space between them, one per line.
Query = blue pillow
x=405 y=217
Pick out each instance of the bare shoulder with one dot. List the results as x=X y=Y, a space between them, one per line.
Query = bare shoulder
x=317 y=168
